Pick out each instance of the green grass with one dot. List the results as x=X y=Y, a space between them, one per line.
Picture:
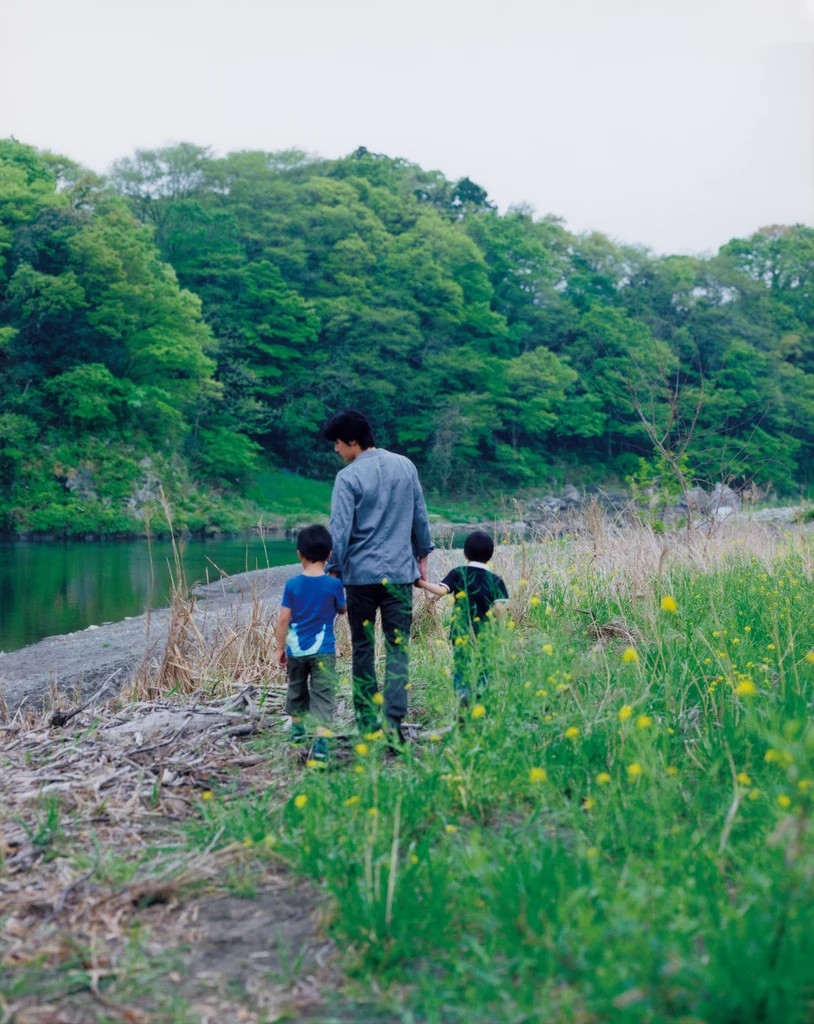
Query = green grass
x=654 y=865
x=281 y=493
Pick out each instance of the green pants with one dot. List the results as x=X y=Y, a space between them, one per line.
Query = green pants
x=312 y=686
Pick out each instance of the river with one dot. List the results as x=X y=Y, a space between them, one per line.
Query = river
x=51 y=588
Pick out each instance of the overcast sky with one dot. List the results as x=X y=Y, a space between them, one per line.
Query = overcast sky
x=673 y=123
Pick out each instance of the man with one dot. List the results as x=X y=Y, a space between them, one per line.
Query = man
x=381 y=540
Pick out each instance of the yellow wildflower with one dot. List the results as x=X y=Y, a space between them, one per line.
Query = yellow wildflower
x=312 y=763
x=537 y=775
x=207 y=794
x=625 y=711
x=300 y=801
x=373 y=812
x=592 y=852
x=669 y=604
x=588 y=803
x=322 y=731
x=671 y=770
x=784 y=800
x=810 y=657
x=460 y=595
x=352 y=800
x=571 y=733
x=358 y=769
x=269 y=841
x=450 y=828
x=744 y=779
x=413 y=858
x=378 y=698
x=644 y=722
x=248 y=842
x=435 y=737
x=603 y=778
x=377 y=735
x=548 y=649
x=398 y=640
x=804 y=785
x=746 y=688
x=542 y=693
x=384 y=581
x=630 y=657
x=361 y=749
x=534 y=602
x=478 y=711
x=634 y=770
x=523 y=583
x=747 y=629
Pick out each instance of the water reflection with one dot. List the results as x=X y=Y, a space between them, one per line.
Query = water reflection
x=58 y=588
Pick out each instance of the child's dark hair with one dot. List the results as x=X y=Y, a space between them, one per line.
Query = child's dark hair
x=314 y=543
x=350 y=425
x=479 y=546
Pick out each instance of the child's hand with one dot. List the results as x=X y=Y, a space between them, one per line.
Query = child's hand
x=282 y=658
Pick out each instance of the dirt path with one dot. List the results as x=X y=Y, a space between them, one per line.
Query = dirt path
x=86 y=659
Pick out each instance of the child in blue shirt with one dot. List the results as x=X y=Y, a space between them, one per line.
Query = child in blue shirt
x=305 y=637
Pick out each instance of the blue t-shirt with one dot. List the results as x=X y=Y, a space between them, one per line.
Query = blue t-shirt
x=314 y=602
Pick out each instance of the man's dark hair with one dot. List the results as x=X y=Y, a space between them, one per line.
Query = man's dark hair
x=314 y=543
x=479 y=546
x=349 y=425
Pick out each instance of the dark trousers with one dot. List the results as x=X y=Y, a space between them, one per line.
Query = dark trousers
x=468 y=672
x=395 y=602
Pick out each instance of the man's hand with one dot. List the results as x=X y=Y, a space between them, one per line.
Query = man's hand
x=282 y=657
x=422 y=567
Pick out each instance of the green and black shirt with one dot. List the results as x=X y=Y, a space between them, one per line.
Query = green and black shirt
x=476 y=590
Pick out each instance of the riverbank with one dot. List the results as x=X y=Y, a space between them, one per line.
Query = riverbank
x=82 y=662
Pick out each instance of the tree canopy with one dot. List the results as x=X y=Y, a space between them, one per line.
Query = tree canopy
x=222 y=308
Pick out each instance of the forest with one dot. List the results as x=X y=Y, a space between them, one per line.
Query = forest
x=194 y=319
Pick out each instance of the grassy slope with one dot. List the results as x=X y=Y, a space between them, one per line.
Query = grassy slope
x=619 y=836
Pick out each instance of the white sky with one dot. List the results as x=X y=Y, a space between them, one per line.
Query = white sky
x=674 y=123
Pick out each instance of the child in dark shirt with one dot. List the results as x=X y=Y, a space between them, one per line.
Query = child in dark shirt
x=305 y=636
x=479 y=595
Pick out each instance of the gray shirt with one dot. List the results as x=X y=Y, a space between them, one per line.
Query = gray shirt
x=379 y=523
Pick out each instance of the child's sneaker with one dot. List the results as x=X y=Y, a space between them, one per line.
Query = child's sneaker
x=297 y=733
x=320 y=749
